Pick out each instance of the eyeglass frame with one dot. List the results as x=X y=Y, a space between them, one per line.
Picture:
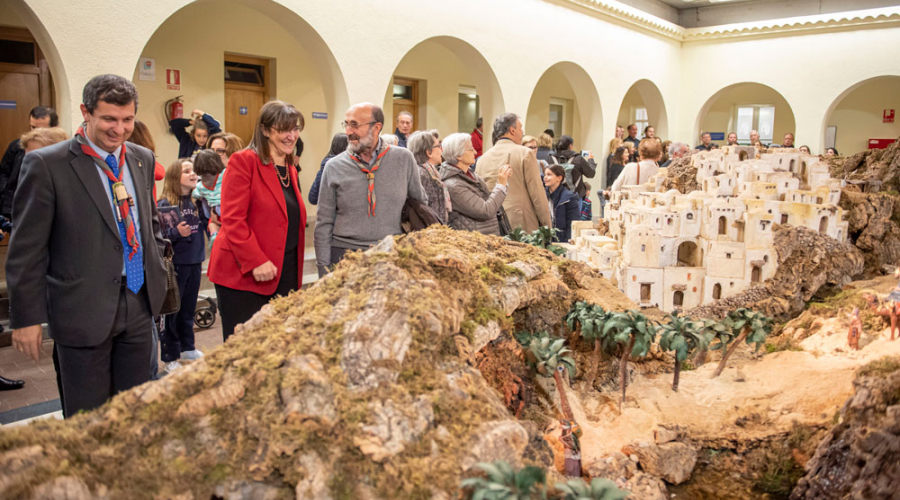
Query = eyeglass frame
x=345 y=125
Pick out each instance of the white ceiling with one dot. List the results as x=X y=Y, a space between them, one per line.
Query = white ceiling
x=701 y=13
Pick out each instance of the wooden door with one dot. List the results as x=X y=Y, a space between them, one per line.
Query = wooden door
x=24 y=82
x=241 y=111
x=246 y=90
x=406 y=98
x=18 y=94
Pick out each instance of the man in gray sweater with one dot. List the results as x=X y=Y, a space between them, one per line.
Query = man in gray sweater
x=363 y=189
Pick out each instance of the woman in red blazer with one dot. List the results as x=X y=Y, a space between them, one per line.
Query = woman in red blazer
x=258 y=252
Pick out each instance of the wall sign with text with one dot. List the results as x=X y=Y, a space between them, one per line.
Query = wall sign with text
x=173 y=79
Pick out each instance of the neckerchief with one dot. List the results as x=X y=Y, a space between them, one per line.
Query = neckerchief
x=125 y=203
x=370 y=175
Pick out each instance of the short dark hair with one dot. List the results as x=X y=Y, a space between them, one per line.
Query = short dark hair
x=207 y=162
x=564 y=143
x=502 y=125
x=43 y=112
x=112 y=89
x=550 y=132
x=557 y=170
x=479 y=122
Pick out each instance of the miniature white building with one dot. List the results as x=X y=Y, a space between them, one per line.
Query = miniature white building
x=677 y=251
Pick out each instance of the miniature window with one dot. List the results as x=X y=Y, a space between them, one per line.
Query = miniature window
x=727 y=255
x=690 y=216
x=678 y=299
x=784 y=218
x=643 y=248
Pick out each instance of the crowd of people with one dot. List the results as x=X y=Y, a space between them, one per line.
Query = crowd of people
x=90 y=260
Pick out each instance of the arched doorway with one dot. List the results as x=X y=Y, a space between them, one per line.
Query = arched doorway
x=717 y=292
x=303 y=72
x=643 y=105
x=743 y=107
x=678 y=299
x=566 y=100
x=689 y=255
x=723 y=222
x=451 y=94
x=755 y=274
x=857 y=115
x=823 y=225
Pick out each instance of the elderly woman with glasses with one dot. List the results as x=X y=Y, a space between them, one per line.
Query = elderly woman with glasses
x=474 y=207
x=427 y=151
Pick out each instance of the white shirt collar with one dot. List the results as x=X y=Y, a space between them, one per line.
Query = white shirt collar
x=101 y=152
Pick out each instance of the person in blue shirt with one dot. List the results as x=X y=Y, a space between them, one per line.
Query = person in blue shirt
x=202 y=126
x=338 y=145
x=177 y=338
x=563 y=203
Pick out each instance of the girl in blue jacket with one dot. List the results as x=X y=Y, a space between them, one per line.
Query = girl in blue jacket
x=204 y=125
x=563 y=202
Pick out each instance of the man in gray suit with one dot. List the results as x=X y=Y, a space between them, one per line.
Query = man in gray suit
x=85 y=255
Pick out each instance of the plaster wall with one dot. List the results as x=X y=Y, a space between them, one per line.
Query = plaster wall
x=859 y=116
x=554 y=85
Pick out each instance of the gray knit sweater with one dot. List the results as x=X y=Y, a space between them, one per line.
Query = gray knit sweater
x=342 y=219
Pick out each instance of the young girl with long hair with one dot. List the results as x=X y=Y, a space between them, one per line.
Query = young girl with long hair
x=177 y=338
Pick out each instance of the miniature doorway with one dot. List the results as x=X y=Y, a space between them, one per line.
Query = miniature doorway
x=755 y=274
x=645 y=292
x=823 y=225
x=723 y=225
x=717 y=292
x=689 y=255
x=678 y=299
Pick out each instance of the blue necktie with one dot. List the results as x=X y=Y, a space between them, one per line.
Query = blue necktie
x=134 y=267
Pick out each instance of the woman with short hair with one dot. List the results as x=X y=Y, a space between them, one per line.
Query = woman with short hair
x=474 y=208
x=639 y=173
x=545 y=147
x=427 y=152
x=258 y=253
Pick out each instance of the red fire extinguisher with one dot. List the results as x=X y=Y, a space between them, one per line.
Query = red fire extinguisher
x=174 y=108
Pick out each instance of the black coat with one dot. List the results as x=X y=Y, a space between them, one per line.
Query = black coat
x=565 y=211
x=10 y=167
x=583 y=168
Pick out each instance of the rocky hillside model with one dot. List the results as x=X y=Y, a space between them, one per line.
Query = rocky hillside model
x=360 y=387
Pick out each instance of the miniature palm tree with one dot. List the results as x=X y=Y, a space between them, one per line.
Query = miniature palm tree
x=632 y=330
x=504 y=483
x=551 y=358
x=517 y=234
x=750 y=326
x=599 y=489
x=588 y=320
x=716 y=330
x=682 y=336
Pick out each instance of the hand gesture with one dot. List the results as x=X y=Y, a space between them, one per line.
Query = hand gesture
x=197 y=113
x=590 y=155
x=503 y=174
x=183 y=229
x=265 y=272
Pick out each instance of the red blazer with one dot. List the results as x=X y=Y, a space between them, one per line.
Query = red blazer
x=254 y=225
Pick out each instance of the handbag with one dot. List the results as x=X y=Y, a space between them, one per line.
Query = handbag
x=416 y=216
x=172 y=303
x=503 y=222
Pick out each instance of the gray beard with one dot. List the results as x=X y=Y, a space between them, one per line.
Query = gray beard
x=363 y=144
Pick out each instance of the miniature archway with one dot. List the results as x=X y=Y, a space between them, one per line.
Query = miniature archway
x=743 y=107
x=717 y=291
x=643 y=105
x=565 y=99
x=689 y=255
x=755 y=274
x=448 y=96
x=858 y=115
x=307 y=73
x=678 y=298
x=823 y=225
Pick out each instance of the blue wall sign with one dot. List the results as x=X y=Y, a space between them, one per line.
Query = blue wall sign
x=320 y=116
x=717 y=136
x=242 y=110
x=7 y=104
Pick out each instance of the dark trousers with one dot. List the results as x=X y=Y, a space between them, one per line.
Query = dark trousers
x=178 y=335
x=238 y=306
x=91 y=375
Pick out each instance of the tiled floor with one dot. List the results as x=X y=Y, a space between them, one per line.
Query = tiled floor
x=40 y=377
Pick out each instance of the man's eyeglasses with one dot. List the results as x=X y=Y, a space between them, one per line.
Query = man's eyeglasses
x=356 y=126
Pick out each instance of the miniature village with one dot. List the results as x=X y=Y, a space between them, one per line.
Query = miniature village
x=510 y=372
x=678 y=251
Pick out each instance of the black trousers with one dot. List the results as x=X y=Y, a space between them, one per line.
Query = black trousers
x=238 y=306
x=178 y=335
x=92 y=375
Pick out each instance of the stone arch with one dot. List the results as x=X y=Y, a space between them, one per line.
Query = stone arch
x=586 y=123
x=438 y=108
x=846 y=143
x=720 y=110
x=302 y=68
x=689 y=254
x=646 y=92
x=48 y=45
x=717 y=291
x=823 y=225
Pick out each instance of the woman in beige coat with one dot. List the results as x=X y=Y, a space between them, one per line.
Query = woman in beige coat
x=474 y=208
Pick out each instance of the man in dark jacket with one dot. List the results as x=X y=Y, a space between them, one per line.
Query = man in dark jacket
x=632 y=136
x=40 y=117
x=706 y=143
x=584 y=166
x=404 y=127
